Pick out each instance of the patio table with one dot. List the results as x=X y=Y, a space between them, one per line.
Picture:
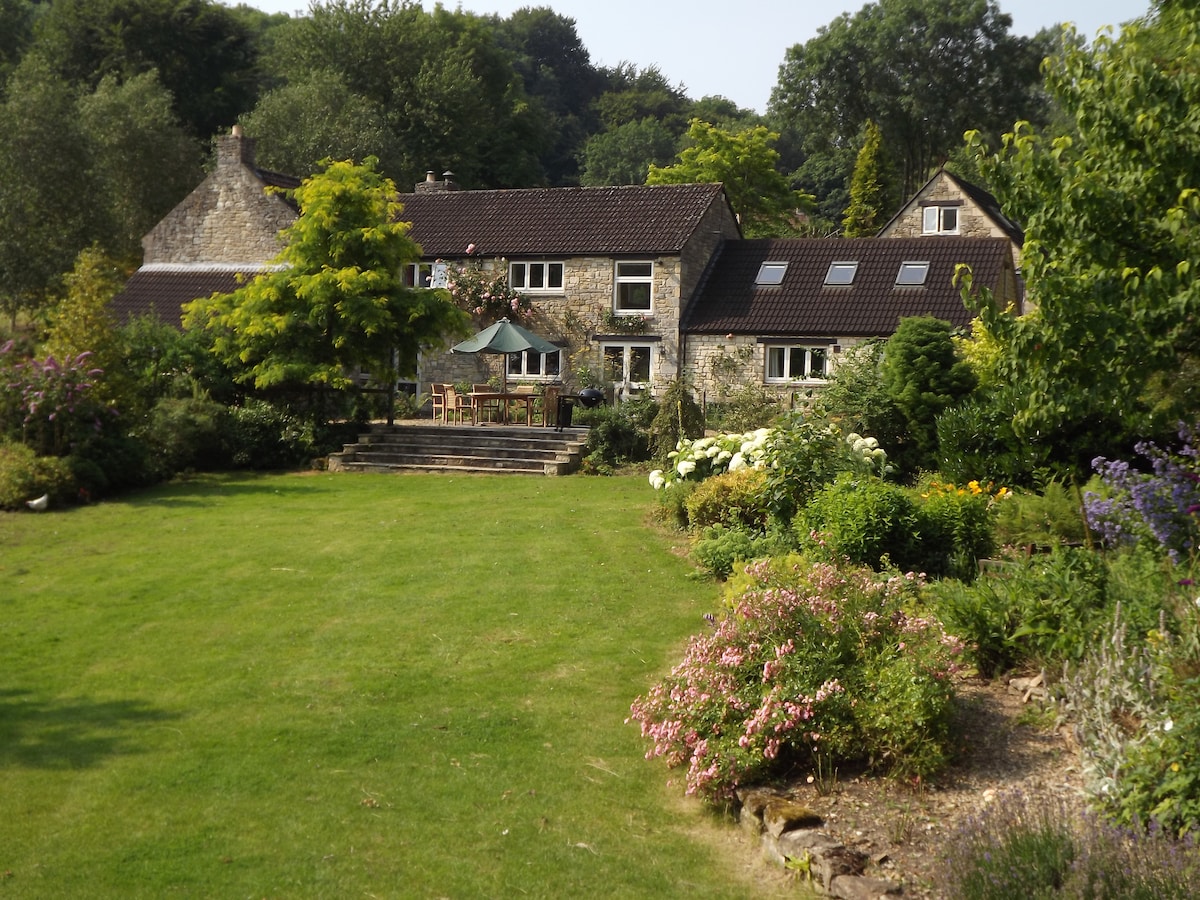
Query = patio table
x=479 y=398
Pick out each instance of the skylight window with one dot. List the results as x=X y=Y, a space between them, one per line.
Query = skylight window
x=912 y=274
x=841 y=273
x=771 y=273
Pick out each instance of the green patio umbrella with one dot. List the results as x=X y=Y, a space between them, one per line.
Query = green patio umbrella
x=504 y=337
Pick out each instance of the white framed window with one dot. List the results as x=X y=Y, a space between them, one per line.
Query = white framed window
x=634 y=288
x=536 y=277
x=771 y=273
x=940 y=220
x=629 y=363
x=796 y=362
x=531 y=364
x=912 y=274
x=841 y=273
x=419 y=275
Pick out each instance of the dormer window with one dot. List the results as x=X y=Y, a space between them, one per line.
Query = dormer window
x=940 y=220
x=841 y=273
x=912 y=274
x=771 y=273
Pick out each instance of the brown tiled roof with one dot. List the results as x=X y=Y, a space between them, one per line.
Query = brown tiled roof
x=802 y=305
x=610 y=221
x=161 y=292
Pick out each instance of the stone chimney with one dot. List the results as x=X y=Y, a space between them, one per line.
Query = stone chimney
x=235 y=149
x=431 y=185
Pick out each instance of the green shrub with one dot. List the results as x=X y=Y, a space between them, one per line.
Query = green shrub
x=261 y=436
x=812 y=664
x=718 y=548
x=745 y=409
x=731 y=498
x=616 y=437
x=678 y=416
x=185 y=433
x=1041 y=519
x=25 y=476
x=865 y=520
x=976 y=442
x=955 y=527
x=1042 y=611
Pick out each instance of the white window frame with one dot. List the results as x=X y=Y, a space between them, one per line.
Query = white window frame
x=792 y=363
x=770 y=274
x=539 y=277
x=912 y=266
x=548 y=366
x=629 y=350
x=933 y=220
x=419 y=274
x=625 y=277
x=841 y=273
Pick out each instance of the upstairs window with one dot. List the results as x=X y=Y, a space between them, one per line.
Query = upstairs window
x=940 y=220
x=418 y=275
x=634 y=288
x=841 y=273
x=535 y=277
x=771 y=273
x=912 y=274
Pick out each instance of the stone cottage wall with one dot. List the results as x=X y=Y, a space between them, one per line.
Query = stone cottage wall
x=229 y=219
x=972 y=221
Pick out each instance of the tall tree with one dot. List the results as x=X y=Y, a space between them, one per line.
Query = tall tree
x=1111 y=210
x=204 y=54
x=131 y=132
x=869 y=198
x=557 y=73
x=450 y=95
x=338 y=303
x=45 y=216
x=745 y=162
x=925 y=71
x=624 y=154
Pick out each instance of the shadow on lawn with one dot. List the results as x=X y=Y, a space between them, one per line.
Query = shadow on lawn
x=70 y=734
x=208 y=490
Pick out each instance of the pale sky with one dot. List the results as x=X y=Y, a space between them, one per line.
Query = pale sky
x=735 y=48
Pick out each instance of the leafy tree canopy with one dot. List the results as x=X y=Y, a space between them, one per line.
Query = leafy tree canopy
x=925 y=71
x=338 y=303
x=624 y=155
x=746 y=163
x=869 y=198
x=1111 y=210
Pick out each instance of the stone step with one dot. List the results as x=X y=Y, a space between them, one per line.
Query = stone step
x=495 y=449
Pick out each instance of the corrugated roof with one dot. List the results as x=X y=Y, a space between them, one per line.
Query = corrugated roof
x=729 y=301
x=611 y=221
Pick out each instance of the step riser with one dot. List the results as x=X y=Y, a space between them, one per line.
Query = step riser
x=463 y=449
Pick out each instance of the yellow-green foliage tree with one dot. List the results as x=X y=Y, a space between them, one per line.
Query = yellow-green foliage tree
x=868 y=194
x=337 y=302
x=745 y=162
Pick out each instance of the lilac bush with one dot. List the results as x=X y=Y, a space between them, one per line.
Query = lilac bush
x=1160 y=504
x=812 y=663
x=47 y=404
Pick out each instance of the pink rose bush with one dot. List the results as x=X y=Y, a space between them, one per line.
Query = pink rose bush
x=812 y=664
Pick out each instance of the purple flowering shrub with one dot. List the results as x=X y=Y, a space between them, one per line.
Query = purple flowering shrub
x=49 y=405
x=1159 y=505
x=812 y=663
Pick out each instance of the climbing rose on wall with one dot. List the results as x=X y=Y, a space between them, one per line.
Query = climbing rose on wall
x=485 y=293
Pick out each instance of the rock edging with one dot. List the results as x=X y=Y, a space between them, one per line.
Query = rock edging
x=792 y=836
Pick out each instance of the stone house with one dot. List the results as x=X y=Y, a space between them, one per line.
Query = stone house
x=780 y=313
x=228 y=226
x=948 y=206
x=607 y=270
x=635 y=284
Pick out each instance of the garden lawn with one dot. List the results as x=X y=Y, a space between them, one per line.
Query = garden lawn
x=345 y=686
